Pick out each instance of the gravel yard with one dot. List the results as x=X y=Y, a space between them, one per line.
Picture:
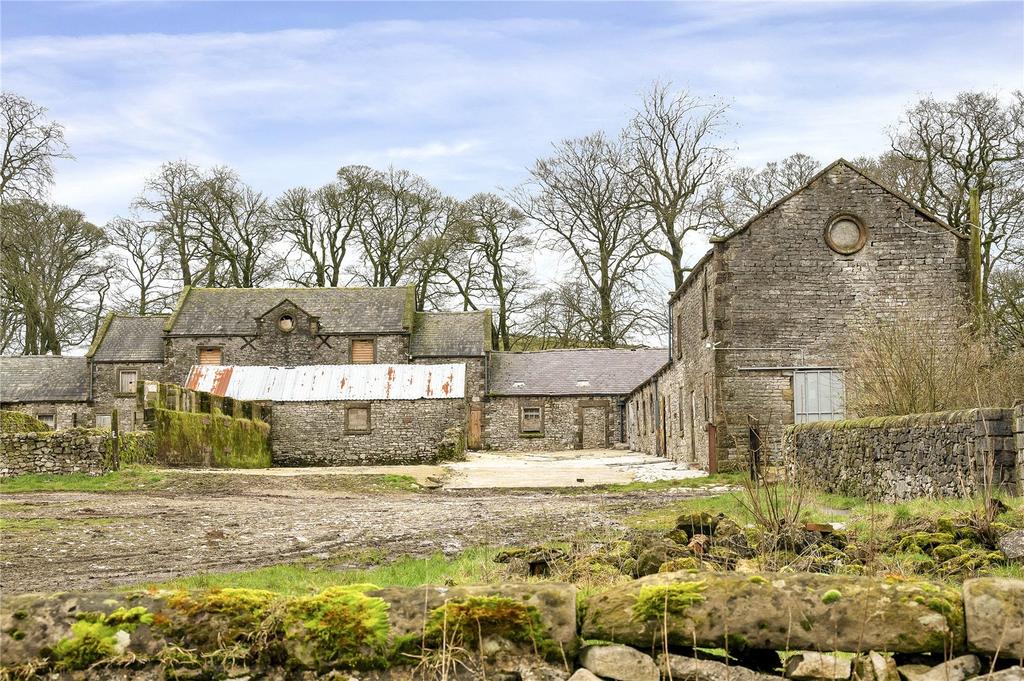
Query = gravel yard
x=218 y=522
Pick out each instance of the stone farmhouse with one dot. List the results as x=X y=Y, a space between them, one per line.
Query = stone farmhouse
x=763 y=327
x=761 y=333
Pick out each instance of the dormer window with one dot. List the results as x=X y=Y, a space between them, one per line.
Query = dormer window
x=518 y=384
x=286 y=323
x=583 y=383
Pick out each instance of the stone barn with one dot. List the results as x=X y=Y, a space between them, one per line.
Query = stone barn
x=334 y=415
x=763 y=327
x=54 y=389
x=560 y=399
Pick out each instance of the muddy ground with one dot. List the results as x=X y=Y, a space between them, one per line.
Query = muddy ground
x=218 y=523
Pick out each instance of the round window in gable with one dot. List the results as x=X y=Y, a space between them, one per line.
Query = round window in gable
x=286 y=323
x=846 y=234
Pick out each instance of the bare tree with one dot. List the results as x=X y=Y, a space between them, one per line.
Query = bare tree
x=492 y=263
x=1006 y=289
x=973 y=143
x=143 y=266
x=319 y=224
x=167 y=201
x=237 y=231
x=54 y=268
x=31 y=145
x=675 y=157
x=746 y=191
x=590 y=210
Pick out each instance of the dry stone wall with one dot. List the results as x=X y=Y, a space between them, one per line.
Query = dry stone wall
x=401 y=432
x=77 y=450
x=904 y=457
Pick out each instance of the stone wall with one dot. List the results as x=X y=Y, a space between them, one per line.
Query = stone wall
x=563 y=420
x=106 y=390
x=905 y=457
x=66 y=414
x=77 y=450
x=401 y=432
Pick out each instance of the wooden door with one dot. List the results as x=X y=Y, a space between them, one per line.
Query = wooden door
x=712 y=449
x=475 y=422
x=593 y=427
x=662 y=415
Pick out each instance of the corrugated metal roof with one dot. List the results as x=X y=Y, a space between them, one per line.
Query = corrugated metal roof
x=331 y=382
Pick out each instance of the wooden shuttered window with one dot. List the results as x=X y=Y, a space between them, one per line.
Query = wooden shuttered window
x=357 y=419
x=531 y=420
x=363 y=351
x=210 y=355
x=127 y=381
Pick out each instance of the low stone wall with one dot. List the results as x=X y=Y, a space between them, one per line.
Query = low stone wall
x=401 y=432
x=903 y=457
x=500 y=628
x=77 y=450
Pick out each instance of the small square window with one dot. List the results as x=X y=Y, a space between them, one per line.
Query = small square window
x=103 y=421
x=211 y=356
x=127 y=381
x=531 y=420
x=49 y=420
x=363 y=351
x=357 y=419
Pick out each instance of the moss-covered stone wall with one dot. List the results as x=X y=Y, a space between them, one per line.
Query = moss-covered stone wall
x=210 y=440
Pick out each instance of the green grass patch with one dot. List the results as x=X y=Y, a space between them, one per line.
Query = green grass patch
x=470 y=567
x=126 y=479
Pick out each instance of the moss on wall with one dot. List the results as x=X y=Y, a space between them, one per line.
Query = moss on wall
x=20 y=422
x=216 y=440
x=135 y=447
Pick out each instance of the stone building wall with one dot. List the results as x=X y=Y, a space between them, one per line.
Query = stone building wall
x=66 y=414
x=903 y=457
x=401 y=432
x=562 y=422
x=270 y=346
x=107 y=395
x=77 y=450
x=785 y=299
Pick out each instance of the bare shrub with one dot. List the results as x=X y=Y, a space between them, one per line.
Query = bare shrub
x=914 y=366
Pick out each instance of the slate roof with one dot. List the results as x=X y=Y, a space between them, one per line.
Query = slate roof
x=451 y=334
x=595 y=371
x=44 y=378
x=124 y=338
x=232 y=311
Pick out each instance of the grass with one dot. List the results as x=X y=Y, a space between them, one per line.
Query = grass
x=127 y=479
x=136 y=478
x=474 y=566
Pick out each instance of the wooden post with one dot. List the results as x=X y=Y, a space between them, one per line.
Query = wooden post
x=977 y=292
x=115 y=434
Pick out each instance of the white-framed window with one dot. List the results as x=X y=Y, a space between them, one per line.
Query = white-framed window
x=49 y=420
x=104 y=421
x=818 y=395
x=127 y=380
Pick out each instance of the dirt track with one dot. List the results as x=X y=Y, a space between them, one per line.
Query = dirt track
x=73 y=540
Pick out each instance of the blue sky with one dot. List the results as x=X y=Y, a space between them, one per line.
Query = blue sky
x=470 y=94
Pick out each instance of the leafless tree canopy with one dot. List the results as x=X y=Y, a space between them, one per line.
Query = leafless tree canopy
x=589 y=210
x=744 y=192
x=55 y=270
x=31 y=144
x=675 y=158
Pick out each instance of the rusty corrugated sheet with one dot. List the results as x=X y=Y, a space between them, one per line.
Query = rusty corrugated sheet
x=331 y=382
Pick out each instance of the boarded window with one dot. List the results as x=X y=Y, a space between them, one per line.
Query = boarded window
x=127 y=381
x=679 y=336
x=211 y=356
x=531 y=420
x=363 y=351
x=49 y=420
x=103 y=421
x=357 y=419
x=818 y=395
x=682 y=412
x=707 y=397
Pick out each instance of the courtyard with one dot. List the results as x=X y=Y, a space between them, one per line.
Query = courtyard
x=148 y=525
